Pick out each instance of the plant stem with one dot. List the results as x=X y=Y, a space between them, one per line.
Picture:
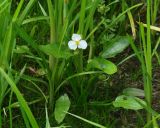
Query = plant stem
x=149 y=62
x=91 y=43
x=65 y=10
x=0 y=117
x=51 y=58
x=52 y=30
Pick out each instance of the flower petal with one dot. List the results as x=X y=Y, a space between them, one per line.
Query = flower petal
x=82 y=44
x=76 y=37
x=72 y=45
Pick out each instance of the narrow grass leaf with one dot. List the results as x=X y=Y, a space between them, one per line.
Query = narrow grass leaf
x=76 y=75
x=42 y=9
x=87 y=121
x=26 y=10
x=47 y=118
x=18 y=9
x=35 y=19
x=21 y=99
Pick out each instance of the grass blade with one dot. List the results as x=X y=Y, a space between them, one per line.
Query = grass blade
x=87 y=121
x=20 y=99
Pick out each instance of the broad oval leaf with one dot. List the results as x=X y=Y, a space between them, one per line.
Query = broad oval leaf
x=61 y=107
x=102 y=64
x=56 y=51
x=115 y=46
x=133 y=92
x=129 y=102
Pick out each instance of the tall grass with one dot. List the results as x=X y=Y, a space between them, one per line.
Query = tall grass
x=7 y=44
x=148 y=60
x=65 y=69
x=146 y=57
x=63 y=22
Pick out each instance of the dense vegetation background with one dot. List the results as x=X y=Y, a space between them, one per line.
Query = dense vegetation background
x=80 y=64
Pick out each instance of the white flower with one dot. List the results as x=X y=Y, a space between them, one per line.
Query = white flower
x=77 y=42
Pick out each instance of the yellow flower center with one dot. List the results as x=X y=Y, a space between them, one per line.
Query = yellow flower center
x=77 y=42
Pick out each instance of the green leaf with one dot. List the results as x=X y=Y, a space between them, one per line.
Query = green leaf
x=129 y=102
x=56 y=51
x=87 y=121
x=115 y=46
x=133 y=92
x=61 y=107
x=47 y=118
x=41 y=72
x=103 y=64
x=22 y=49
x=21 y=99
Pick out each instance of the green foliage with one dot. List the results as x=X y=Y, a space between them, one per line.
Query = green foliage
x=56 y=51
x=37 y=66
x=133 y=92
x=115 y=46
x=87 y=121
x=21 y=49
x=102 y=64
x=21 y=100
x=129 y=102
x=61 y=107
